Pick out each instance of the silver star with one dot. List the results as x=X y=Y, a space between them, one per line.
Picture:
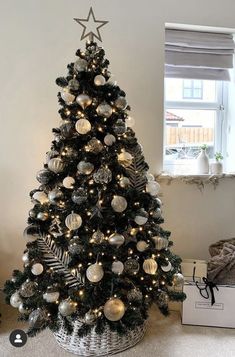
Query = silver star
x=91 y=26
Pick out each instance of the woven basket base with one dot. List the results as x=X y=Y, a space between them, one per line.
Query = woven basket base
x=92 y=345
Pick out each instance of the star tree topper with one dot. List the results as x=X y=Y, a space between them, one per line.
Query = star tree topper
x=91 y=26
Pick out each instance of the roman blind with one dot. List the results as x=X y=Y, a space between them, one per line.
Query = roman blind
x=198 y=55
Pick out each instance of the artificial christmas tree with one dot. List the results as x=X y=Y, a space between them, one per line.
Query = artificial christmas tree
x=96 y=256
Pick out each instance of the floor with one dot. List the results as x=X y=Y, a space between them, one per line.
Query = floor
x=165 y=337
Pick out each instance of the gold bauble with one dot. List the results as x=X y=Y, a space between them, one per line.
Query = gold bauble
x=150 y=266
x=114 y=309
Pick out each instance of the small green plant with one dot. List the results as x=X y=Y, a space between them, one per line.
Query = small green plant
x=204 y=147
x=218 y=156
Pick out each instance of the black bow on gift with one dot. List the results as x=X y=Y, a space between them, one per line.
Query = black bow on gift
x=204 y=290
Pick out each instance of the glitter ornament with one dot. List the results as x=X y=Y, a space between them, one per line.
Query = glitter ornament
x=37 y=269
x=116 y=239
x=79 y=196
x=117 y=267
x=28 y=289
x=141 y=246
x=178 y=280
x=121 y=103
x=67 y=307
x=141 y=217
x=150 y=266
x=83 y=100
x=162 y=299
x=153 y=188
x=160 y=242
x=97 y=237
x=85 y=167
x=75 y=246
x=67 y=97
x=83 y=126
x=109 y=139
x=125 y=158
x=102 y=175
x=157 y=213
x=119 y=204
x=114 y=309
x=94 y=145
x=131 y=266
x=56 y=165
x=99 y=80
x=80 y=65
x=73 y=84
x=119 y=127
x=104 y=110
x=38 y=318
x=73 y=221
x=95 y=273
x=68 y=182
x=15 y=299
x=44 y=176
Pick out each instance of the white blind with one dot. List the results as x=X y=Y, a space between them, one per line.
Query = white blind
x=198 y=55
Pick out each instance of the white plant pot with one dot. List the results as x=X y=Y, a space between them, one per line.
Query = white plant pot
x=202 y=163
x=216 y=168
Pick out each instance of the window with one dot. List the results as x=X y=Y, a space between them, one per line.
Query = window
x=192 y=89
x=191 y=121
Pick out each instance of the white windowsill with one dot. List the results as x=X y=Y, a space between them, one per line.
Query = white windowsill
x=196 y=176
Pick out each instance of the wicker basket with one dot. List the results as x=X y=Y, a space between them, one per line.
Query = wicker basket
x=105 y=344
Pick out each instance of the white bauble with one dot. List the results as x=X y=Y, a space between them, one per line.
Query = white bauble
x=22 y=310
x=114 y=309
x=153 y=188
x=166 y=268
x=141 y=246
x=99 y=80
x=40 y=197
x=68 y=182
x=73 y=221
x=51 y=296
x=130 y=122
x=56 y=165
x=109 y=139
x=104 y=110
x=67 y=307
x=150 y=266
x=37 y=269
x=94 y=273
x=119 y=203
x=83 y=100
x=15 y=300
x=141 y=217
x=117 y=267
x=67 y=97
x=83 y=126
x=121 y=103
x=125 y=158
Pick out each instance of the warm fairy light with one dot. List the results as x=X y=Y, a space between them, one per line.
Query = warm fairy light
x=57 y=302
x=108 y=231
x=102 y=253
x=91 y=182
x=115 y=295
x=146 y=296
x=80 y=265
x=90 y=254
x=149 y=232
x=150 y=288
x=88 y=213
x=141 y=228
x=73 y=271
x=154 y=282
x=114 y=257
x=130 y=251
x=81 y=292
x=163 y=282
x=142 y=278
x=153 y=256
x=158 y=255
x=91 y=191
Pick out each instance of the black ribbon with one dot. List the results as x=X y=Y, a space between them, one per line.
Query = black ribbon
x=204 y=290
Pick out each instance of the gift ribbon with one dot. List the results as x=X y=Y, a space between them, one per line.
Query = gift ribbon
x=204 y=291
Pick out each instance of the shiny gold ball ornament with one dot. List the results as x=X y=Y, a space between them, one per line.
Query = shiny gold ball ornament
x=141 y=246
x=119 y=203
x=109 y=139
x=150 y=266
x=83 y=126
x=104 y=110
x=73 y=221
x=160 y=242
x=95 y=273
x=67 y=97
x=83 y=100
x=85 y=167
x=99 y=80
x=114 y=309
x=178 y=280
x=153 y=188
x=116 y=239
x=68 y=182
x=56 y=165
x=40 y=196
x=80 y=65
x=121 y=103
x=125 y=158
x=67 y=307
x=37 y=269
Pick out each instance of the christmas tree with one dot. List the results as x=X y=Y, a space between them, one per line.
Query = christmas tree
x=96 y=250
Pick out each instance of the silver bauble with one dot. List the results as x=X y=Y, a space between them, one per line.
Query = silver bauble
x=99 y=80
x=85 y=167
x=166 y=268
x=42 y=216
x=68 y=182
x=15 y=299
x=94 y=145
x=51 y=296
x=109 y=139
x=116 y=239
x=95 y=273
x=119 y=203
x=40 y=197
x=124 y=182
x=32 y=232
x=131 y=266
x=141 y=217
x=160 y=242
x=121 y=103
x=104 y=110
x=44 y=176
x=28 y=289
x=103 y=175
x=67 y=97
x=150 y=266
x=117 y=267
x=178 y=280
x=79 y=196
x=67 y=307
x=153 y=188
x=56 y=165
x=114 y=309
x=90 y=318
x=51 y=155
x=32 y=213
x=83 y=126
x=150 y=177
x=55 y=196
x=25 y=258
x=23 y=310
x=80 y=65
x=73 y=221
x=119 y=127
x=75 y=246
x=37 y=269
x=83 y=100
x=37 y=318
x=141 y=246
x=97 y=237
x=67 y=130
x=125 y=158
x=73 y=84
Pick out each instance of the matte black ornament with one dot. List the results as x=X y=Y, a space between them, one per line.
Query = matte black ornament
x=131 y=266
x=102 y=175
x=73 y=84
x=44 y=176
x=119 y=127
x=32 y=232
x=79 y=196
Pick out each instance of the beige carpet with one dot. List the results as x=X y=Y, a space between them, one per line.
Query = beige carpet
x=166 y=337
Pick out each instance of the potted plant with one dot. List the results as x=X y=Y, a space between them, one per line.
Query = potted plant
x=203 y=161
x=217 y=166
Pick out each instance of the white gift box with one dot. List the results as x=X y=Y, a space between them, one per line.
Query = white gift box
x=194 y=269
x=197 y=310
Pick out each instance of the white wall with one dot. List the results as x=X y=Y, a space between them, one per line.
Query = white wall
x=38 y=39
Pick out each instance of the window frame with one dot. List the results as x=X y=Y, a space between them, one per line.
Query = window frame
x=192 y=89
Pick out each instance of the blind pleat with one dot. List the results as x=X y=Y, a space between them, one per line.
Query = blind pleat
x=199 y=55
